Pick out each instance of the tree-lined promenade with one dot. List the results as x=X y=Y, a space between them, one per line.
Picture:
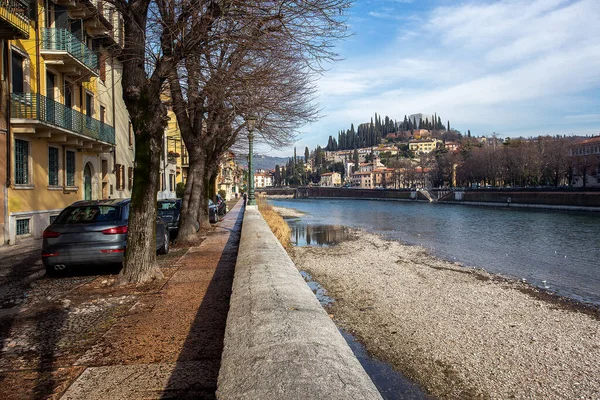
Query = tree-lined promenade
x=215 y=64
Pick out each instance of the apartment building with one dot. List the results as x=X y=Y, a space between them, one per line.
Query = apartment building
x=331 y=179
x=263 y=179
x=424 y=146
x=68 y=135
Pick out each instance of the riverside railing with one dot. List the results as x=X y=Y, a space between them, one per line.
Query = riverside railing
x=62 y=39
x=16 y=12
x=38 y=107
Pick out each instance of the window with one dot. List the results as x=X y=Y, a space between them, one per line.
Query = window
x=52 y=166
x=52 y=218
x=120 y=175
x=130 y=177
x=163 y=185
x=172 y=182
x=102 y=113
x=22 y=226
x=17 y=73
x=70 y=168
x=21 y=162
x=88 y=214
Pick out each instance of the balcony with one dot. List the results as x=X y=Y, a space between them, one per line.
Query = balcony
x=62 y=49
x=39 y=115
x=14 y=19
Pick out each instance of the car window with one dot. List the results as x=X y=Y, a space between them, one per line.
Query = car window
x=88 y=214
x=168 y=206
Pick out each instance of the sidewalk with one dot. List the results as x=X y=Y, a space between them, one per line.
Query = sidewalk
x=169 y=344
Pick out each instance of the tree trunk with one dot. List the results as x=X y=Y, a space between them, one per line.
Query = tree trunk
x=193 y=197
x=140 y=257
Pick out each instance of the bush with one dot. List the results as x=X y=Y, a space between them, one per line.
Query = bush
x=278 y=226
x=223 y=193
x=179 y=190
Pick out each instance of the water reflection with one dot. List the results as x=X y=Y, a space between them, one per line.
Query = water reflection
x=318 y=235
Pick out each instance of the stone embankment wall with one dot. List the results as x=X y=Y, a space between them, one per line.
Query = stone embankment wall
x=560 y=200
x=567 y=200
x=279 y=342
x=350 y=193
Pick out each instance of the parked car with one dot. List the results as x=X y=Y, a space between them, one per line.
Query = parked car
x=170 y=212
x=92 y=232
x=213 y=212
x=221 y=205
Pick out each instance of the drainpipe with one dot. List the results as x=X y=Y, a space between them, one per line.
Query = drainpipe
x=5 y=57
x=114 y=109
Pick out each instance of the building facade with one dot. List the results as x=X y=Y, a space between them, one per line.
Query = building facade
x=585 y=158
x=67 y=136
x=263 y=179
x=331 y=179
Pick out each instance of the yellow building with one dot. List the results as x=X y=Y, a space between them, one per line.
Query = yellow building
x=69 y=136
x=424 y=146
x=177 y=154
x=331 y=179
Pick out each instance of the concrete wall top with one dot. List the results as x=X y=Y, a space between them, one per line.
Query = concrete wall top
x=279 y=342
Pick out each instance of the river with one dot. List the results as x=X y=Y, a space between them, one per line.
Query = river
x=553 y=249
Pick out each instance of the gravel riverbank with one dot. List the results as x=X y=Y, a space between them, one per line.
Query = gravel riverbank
x=458 y=332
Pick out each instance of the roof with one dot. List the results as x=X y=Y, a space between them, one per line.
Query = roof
x=362 y=173
x=588 y=141
x=327 y=174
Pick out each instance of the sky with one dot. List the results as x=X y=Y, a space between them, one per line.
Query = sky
x=512 y=67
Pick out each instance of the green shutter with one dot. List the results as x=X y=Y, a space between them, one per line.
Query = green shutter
x=70 y=168
x=52 y=166
x=21 y=162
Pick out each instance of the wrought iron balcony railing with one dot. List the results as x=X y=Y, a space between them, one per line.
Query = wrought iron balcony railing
x=16 y=13
x=64 y=40
x=37 y=107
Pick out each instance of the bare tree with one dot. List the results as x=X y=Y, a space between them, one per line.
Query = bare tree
x=259 y=62
x=146 y=64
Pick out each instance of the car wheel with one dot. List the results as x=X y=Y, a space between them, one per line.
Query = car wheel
x=164 y=249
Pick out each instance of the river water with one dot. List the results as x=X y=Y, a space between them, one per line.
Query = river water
x=553 y=249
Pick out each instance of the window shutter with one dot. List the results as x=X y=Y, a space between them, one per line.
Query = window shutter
x=130 y=176
x=118 y=175
x=102 y=62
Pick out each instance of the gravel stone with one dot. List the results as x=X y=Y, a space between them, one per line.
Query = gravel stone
x=458 y=332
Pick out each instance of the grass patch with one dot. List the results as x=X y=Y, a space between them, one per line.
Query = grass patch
x=278 y=226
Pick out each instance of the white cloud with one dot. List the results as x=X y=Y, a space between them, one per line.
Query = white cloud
x=506 y=66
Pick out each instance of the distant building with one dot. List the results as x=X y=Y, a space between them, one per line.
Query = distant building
x=263 y=179
x=331 y=179
x=384 y=178
x=451 y=146
x=424 y=146
x=421 y=117
x=586 y=162
x=363 y=180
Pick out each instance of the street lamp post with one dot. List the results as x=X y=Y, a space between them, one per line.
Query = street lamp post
x=251 y=121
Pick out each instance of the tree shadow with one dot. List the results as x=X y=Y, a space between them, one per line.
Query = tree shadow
x=197 y=367
x=22 y=270
x=49 y=323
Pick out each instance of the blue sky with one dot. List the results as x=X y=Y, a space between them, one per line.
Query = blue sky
x=514 y=67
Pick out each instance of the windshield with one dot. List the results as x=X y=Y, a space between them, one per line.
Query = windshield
x=88 y=214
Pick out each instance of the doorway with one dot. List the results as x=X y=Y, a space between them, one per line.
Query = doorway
x=87 y=181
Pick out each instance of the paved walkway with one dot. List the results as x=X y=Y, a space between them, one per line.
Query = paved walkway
x=169 y=345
